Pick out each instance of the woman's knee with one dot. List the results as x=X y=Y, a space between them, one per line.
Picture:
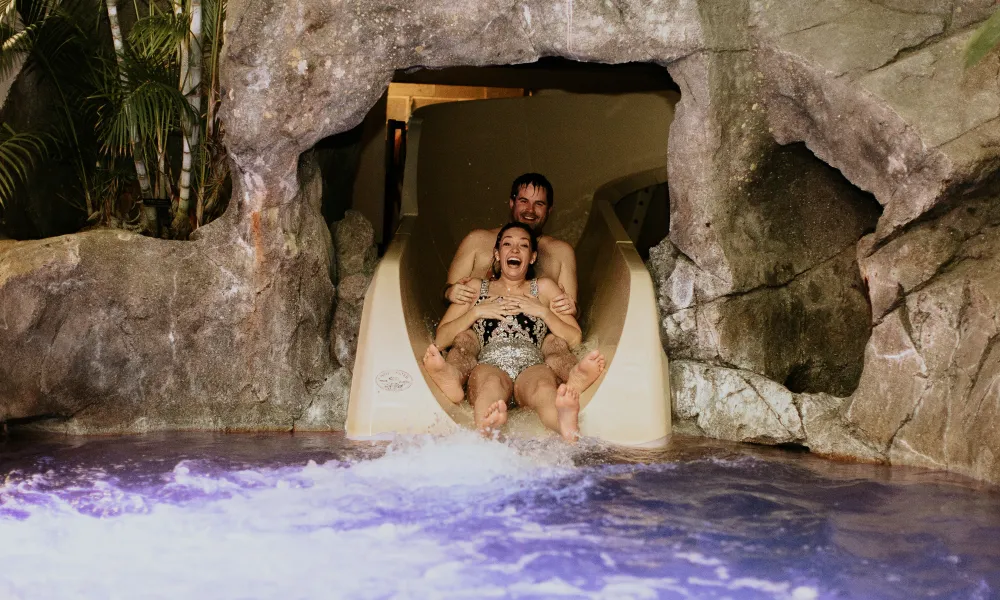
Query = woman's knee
x=483 y=378
x=537 y=384
x=543 y=387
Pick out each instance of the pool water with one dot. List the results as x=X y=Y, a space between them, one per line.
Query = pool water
x=316 y=516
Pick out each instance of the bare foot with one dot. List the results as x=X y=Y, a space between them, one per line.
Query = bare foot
x=586 y=372
x=568 y=408
x=447 y=377
x=495 y=417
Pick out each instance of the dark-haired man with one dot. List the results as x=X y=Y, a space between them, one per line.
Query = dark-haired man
x=531 y=199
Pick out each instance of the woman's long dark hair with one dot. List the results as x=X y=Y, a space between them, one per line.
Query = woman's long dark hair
x=495 y=267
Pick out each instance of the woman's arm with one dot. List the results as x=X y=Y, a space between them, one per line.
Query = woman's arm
x=561 y=325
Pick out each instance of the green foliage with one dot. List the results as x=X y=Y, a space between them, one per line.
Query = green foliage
x=19 y=153
x=138 y=100
x=117 y=112
x=58 y=40
x=158 y=36
x=985 y=39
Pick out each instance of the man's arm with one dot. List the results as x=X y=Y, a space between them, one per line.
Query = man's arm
x=565 y=303
x=460 y=271
x=563 y=325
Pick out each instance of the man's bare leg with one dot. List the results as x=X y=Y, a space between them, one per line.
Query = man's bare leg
x=558 y=356
x=577 y=375
x=489 y=389
x=558 y=406
x=586 y=372
x=464 y=354
x=452 y=373
x=446 y=376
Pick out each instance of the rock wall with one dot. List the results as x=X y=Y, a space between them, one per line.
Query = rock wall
x=772 y=260
x=110 y=332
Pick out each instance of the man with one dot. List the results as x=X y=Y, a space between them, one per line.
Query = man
x=531 y=199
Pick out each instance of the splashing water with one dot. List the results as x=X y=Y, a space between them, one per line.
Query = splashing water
x=209 y=516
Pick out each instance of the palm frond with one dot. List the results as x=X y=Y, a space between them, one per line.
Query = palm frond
x=213 y=15
x=159 y=36
x=985 y=39
x=19 y=153
x=141 y=106
x=17 y=43
x=54 y=35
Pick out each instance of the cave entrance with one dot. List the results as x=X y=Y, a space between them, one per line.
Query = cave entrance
x=599 y=136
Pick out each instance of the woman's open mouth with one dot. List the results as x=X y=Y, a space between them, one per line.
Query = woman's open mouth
x=513 y=261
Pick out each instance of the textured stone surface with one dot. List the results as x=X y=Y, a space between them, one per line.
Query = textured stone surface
x=734 y=405
x=115 y=332
x=800 y=314
x=809 y=333
x=930 y=393
x=739 y=405
x=232 y=330
x=357 y=257
x=914 y=132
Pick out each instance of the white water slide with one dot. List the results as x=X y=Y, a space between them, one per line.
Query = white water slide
x=461 y=159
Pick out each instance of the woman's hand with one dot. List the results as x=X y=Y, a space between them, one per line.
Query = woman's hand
x=496 y=308
x=531 y=306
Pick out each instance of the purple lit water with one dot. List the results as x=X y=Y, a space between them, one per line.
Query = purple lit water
x=315 y=516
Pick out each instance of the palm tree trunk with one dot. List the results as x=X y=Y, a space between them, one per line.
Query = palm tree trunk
x=213 y=66
x=140 y=164
x=190 y=125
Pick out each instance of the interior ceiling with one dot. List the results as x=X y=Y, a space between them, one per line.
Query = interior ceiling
x=550 y=73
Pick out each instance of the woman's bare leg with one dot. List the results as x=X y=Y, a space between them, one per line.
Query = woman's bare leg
x=489 y=389
x=558 y=406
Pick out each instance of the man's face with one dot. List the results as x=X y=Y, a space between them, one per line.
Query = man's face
x=531 y=207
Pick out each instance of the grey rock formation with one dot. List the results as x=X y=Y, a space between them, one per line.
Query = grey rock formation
x=113 y=332
x=357 y=257
x=760 y=283
x=739 y=405
x=930 y=393
x=795 y=308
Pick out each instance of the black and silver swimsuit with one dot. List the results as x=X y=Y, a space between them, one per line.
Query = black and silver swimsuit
x=513 y=343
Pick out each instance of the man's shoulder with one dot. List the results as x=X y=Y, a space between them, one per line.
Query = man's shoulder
x=553 y=245
x=480 y=237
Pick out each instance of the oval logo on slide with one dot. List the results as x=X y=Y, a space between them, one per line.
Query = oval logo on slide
x=394 y=380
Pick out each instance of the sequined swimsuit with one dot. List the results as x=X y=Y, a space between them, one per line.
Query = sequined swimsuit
x=513 y=343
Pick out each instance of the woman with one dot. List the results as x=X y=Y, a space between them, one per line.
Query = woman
x=511 y=319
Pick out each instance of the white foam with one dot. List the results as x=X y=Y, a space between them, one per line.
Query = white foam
x=357 y=529
x=312 y=531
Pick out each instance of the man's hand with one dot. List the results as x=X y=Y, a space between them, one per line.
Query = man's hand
x=459 y=293
x=563 y=305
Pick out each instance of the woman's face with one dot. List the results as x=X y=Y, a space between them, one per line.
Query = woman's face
x=515 y=253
